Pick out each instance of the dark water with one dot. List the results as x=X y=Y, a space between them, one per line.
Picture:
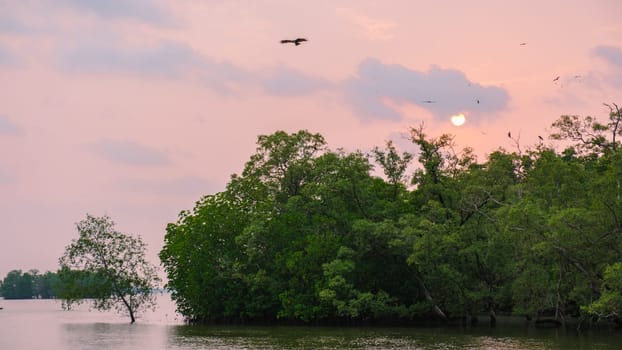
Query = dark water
x=386 y=338
x=42 y=324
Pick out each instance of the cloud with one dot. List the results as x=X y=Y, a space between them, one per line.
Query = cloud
x=180 y=186
x=450 y=91
x=613 y=57
x=175 y=60
x=285 y=81
x=162 y=60
x=143 y=10
x=610 y=54
x=7 y=58
x=5 y=177
x=7 y=127
x=222 y=77
x=129 y=152
x=375 y=29
x=10 y=24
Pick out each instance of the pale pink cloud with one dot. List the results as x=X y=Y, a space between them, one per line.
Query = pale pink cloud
x=182 y=186
x=373 y=28
x=130 y=152
x=8 y=58
x=11 y=24
x=441 y=91
x=612 y=56
x=285 y=81
x=150 y=11
x=8 y=127
x=175 y=60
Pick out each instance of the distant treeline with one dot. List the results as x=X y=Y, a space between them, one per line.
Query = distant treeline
x=309 y=234
x=29 y=285
x=62 y=284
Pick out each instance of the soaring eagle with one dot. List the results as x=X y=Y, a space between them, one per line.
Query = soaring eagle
x=296 y=41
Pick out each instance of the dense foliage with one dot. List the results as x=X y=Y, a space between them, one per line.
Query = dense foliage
x=309 y=234
x=108 y=265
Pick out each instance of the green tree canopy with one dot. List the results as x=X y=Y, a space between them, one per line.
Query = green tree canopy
x=309 y=234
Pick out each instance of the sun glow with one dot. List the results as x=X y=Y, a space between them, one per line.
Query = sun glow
x=458 y=119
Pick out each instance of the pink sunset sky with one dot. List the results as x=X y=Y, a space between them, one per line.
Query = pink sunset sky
x=137 y=108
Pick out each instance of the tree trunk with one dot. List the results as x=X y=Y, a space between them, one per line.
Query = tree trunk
x=493 y=318
x=437 y=310
x=130 y=310
x=471 y=320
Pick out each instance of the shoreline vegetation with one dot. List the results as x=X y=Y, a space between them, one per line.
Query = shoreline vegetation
x=311 y=235
x=306 y=235
x=473 y=321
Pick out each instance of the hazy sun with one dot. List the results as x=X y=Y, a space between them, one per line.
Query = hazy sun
x=457 y=119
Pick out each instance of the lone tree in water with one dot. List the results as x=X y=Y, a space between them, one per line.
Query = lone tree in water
x=125 y=279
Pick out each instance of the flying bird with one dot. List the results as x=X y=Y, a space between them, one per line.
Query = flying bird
x=523 y=44
x=556 y=78
x=296 y=41
x=509 y=134
x=477 y=101
x=541 y=138
x=428 y=101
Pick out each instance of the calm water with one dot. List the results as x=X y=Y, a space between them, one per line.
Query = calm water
x=42 y=324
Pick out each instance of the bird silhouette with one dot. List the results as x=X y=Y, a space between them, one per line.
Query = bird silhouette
x=523 y=44
x=509 y=134
x=428 y=101
x=296 y=41
x=541 y=138
x=477 y=101
x=556 y=78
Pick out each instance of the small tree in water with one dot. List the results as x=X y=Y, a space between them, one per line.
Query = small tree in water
x=125 y=279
